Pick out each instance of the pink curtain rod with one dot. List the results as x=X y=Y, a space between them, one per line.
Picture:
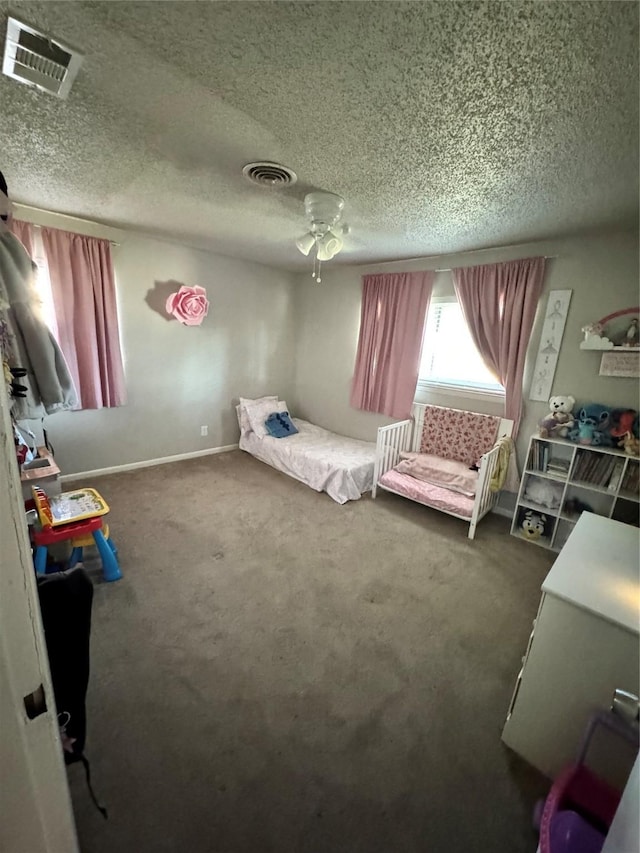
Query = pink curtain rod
x=467 y=252
x=65 y=215
x=450 y=269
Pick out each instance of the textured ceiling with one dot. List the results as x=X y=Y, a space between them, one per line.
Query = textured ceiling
x=446 y=126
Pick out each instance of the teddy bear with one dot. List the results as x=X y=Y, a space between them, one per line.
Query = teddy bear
x=560 y=419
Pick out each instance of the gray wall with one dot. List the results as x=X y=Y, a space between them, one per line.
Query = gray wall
x=602 y=272
x=179 y=378
x=271 y=332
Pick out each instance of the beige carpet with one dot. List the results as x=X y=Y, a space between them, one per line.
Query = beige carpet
x=277 y=673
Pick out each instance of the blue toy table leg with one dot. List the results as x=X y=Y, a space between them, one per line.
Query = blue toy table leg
x=75 y=558
x=41 y=559
x=110 y=567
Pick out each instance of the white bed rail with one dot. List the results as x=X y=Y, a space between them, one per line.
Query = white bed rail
x=392 y=440
x=407 y=435
x=485 y=498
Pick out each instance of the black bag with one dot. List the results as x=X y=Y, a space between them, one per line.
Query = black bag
x=65 y=603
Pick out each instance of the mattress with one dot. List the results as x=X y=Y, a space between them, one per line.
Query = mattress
x=427 y=494
x=340 y=466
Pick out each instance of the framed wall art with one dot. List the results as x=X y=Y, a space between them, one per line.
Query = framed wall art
x=550 y=342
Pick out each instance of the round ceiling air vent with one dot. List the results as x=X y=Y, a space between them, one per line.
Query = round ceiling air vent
x=267 y=174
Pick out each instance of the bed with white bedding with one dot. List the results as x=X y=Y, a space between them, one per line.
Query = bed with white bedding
x=340 y=466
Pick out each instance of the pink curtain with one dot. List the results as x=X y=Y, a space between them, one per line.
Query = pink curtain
x=392 y=318
x=84 y=295
x=499 y=303
x=22 y=230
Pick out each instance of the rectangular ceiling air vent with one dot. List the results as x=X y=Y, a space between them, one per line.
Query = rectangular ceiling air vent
x=38 y=60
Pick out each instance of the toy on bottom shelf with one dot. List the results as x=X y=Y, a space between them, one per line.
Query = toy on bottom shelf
x=533 y=525
x=560 y=419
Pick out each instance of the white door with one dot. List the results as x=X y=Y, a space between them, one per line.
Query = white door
x=35 y=806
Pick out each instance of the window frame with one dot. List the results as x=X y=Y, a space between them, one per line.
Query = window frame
x=452 y=388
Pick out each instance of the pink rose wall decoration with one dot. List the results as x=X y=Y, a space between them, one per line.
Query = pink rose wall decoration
x=189 y=305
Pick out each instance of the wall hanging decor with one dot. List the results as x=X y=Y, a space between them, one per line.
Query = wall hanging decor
x=616 y=335
x=620 y=364
x=189 y=305
x=550 y=340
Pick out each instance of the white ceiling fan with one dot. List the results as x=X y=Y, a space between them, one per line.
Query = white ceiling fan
x=324 y=238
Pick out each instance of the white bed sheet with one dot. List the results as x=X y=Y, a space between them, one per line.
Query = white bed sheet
x=340 y=466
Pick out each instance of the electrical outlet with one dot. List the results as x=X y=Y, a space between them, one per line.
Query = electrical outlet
x=204 y=430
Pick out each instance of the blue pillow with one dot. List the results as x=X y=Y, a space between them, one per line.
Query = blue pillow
x=280 y=425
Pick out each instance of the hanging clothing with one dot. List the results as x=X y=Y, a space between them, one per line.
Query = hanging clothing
x=505 y=451
x=25 y=340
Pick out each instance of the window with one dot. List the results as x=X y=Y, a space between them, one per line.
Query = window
x=76 y=289
x=450 y=359
x=43 y=283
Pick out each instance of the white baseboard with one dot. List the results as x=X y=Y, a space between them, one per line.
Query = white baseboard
x=503 y=511
x=146 y=463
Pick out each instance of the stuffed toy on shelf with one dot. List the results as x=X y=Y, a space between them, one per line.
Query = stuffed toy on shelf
x=592 y=426
x=560 y=418
x=533 y=525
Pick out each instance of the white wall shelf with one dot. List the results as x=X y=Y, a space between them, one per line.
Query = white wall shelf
x=591 y=347
x=605 y=478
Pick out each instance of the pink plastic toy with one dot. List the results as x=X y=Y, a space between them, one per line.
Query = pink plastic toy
x=579 y=809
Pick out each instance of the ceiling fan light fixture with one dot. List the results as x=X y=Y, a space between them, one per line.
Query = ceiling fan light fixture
x=306 y=243
x=328 y=246
x=324 y=212
x=323 y=207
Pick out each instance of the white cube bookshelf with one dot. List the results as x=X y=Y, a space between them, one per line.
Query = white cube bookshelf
x=604 y=478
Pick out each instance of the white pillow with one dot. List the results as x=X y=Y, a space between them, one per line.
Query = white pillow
x=241 y=410
x=258 y=412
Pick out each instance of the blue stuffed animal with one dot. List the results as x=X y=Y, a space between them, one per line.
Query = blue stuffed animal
x=592 y=425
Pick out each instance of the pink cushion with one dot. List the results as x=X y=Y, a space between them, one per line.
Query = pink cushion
x=448 y=473
x=455 y=434
x=425 y=493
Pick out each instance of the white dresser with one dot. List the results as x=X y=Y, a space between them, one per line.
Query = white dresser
x=584 y=643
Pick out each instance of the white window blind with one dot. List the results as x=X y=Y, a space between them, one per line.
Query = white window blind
x=449 y=356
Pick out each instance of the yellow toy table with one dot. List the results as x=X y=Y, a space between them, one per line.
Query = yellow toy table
x=73 y=516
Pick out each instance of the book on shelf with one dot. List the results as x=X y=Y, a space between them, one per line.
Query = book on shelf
x=608 y=473
x=588 y=464
x=631 y=479
x=602 y=471
x=558 y=467
x=616 y=475
x=538 y=456
x=596 y=469
x=581 y=465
